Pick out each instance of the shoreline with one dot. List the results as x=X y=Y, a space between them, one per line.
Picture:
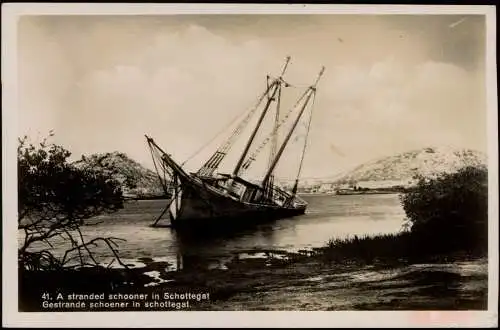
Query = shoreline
x=254 y=284
x=366 y=192
x=354 y=192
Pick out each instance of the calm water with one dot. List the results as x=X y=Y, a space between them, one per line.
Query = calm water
x=326 y=217
x=431 y=286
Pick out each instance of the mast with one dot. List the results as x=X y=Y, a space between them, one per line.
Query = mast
x=277 y=86
x=247 y=163
x=311 y=90
x=274 y=146
x=296 y=184
x=213 y=162
x=274 y=143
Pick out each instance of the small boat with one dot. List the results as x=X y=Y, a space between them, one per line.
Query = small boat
x=206 y=197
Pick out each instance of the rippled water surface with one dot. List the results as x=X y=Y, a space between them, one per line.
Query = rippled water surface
x=327 y=216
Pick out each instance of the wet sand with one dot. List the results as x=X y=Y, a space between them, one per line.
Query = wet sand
x=297 y=282
x=311 y=285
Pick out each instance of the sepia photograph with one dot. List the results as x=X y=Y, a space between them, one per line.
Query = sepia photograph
x=222 y=158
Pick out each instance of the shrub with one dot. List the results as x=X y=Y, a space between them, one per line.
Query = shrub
x=450 y=212
x=54 y=200
x=447 y=216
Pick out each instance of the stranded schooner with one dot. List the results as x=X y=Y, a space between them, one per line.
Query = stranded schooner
x=206 y=197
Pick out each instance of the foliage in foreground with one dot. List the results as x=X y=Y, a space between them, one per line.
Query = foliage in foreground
x=447 y=215
x=450 y=211
x=54 y=200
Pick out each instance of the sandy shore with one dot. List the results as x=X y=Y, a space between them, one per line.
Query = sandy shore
x=270 y=283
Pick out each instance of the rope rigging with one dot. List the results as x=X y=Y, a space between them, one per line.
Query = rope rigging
x=310 y=91
x=275 y=130
x=155 y=157
x=282 y=121
x=295 y=186
x=213 y=138
x=214 y=161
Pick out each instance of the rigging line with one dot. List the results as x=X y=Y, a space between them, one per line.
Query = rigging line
x=287 y=138
x=156 y=168
x=264 y=112
x=294 y=85
x=218 y=156
x=275 y=130
x=213 y=138
x=236 y=131
x=166 y=171
x=307 y=136
x=282 y=121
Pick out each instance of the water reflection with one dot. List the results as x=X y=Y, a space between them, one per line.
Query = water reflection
x=211 y=249
x=326 y=217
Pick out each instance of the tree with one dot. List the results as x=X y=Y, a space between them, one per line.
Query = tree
x=450 y=211
x=54 y=200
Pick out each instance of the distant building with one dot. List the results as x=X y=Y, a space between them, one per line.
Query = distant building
x=344 y=186
x=326 y=187
x=370 y=184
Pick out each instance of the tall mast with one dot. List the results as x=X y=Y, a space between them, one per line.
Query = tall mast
x=274 y=140
x=274 y=144
x=312 y=90
x=213 y=162
x=276 y=86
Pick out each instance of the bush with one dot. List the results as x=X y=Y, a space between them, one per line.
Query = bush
x=54 y=200
x=450 y=212
x=447 y=217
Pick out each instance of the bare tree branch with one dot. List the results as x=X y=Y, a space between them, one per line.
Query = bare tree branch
x=55 y=198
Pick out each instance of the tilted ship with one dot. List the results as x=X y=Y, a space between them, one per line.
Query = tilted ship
x=207 y=197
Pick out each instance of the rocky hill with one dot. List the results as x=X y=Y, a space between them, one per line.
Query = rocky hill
x=427 y=162
x=137 y=181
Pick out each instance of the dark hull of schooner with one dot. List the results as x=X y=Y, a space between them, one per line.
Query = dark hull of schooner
x=199 y=201
x=235 y=220
x=197 y=204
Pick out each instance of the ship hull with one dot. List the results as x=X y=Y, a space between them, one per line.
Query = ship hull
x=207 y=202
x=241 y=220
x=197 y=205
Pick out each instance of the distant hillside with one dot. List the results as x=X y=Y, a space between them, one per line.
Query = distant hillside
x=426 y=162
x=137 y=181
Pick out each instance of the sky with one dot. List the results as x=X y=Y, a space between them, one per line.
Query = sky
x=393 y=83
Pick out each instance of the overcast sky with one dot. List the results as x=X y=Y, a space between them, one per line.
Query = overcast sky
x=392 y=83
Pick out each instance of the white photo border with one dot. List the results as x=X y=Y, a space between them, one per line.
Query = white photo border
x=13 y=318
